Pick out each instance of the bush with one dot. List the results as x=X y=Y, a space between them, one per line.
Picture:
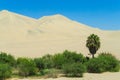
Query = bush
x=104 y=62
x=96 y=65
x=112 y=64
x=74 y=70
x=67 y=57
x=7 y=59
x=58 y=60
x=5 y=71
x=26 y=67
x=39 y=63
x=48 y=61
x=73 y=57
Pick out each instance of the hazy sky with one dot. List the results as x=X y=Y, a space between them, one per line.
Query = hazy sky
x=103 y=14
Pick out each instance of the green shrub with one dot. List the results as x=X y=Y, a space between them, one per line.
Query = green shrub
x=96 y=65
x=5 y=71
x=58 y=60
x=39 y=63
x=104 y=62
x=67 y=57
x=74 y=70
x=48 y=61
x=73 y=57
x=26 y=67
x=7 y=59
x=112 y=64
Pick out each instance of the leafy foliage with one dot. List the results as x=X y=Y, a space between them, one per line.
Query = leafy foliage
x=72 y=57
x=96 y=65
x=26 y=67
x=112 y=64
x=48 y=61
x=5 y=71
x=39 y=63
x=7 y=59
x=71 y=63
x=67 y=57
x=59 y=60
x=93 y=44
x=104 y=62
x=74 y=70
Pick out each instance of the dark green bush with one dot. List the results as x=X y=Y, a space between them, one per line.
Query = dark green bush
x=74 y=69
x=5 y=71
x=104 y=62
x=7 y=59
x=26 y=67
x=39 y=63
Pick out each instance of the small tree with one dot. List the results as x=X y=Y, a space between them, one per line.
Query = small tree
x=93 y=44
x=5 y=71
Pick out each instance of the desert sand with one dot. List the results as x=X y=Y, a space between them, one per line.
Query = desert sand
x=87 y=76
x=23 y=36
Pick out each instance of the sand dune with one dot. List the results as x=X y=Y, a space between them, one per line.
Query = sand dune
x=28 y=37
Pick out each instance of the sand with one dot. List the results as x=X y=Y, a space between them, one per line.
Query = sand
x=87 y=76
x=23 y=36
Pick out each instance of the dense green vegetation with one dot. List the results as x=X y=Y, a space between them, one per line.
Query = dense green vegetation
x=93 y=44
x=5 y=71
x=74 y=70
x=7 y=59
x=26 y=67
x=104 y=62
x=71 y=64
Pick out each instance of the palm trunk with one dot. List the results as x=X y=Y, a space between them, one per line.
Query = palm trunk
x=92 y=55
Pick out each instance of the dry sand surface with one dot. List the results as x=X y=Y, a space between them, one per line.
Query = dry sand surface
x=22 y=36
x=87 y=76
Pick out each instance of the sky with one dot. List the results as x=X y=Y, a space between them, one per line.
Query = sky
x=103 y=14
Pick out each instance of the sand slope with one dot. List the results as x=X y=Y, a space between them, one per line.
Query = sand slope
x=28 y=37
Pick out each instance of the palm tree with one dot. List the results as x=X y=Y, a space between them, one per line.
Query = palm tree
x=93 y=44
